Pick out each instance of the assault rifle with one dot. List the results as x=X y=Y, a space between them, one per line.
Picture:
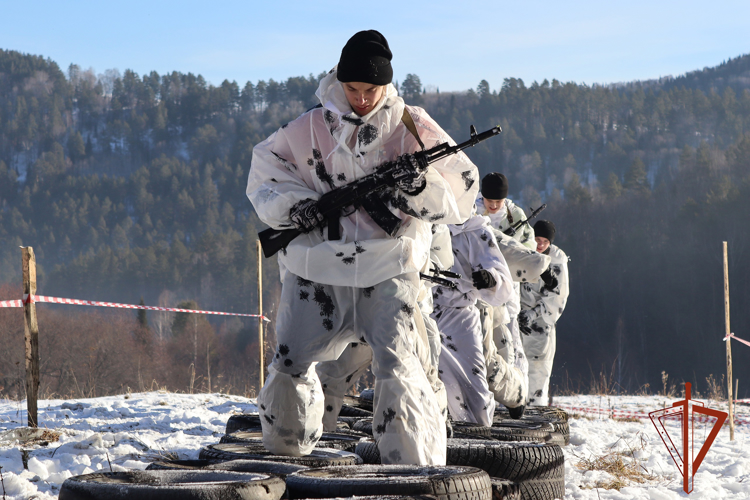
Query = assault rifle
x=364 y=192
x=435 y=277
x=511 y=231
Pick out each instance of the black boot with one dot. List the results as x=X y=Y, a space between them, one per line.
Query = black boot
x=517 y=412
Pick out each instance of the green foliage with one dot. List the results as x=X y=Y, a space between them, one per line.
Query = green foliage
x=76 y=147
x=142 y=318
x=574 y=192
x=613 y=186
x=636 y=178
x=184 y=322
x=411 y=88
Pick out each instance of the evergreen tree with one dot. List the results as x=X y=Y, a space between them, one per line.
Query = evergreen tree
x=142 y=318
x=636 y=178
x=76 y=147
x=613 y=186
x=687 y=158
x=703 y=158
x=483 y=89
x=411 y=87
x=183 y=322
x=575 y=192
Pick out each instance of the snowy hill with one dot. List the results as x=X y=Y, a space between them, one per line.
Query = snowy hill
x=128 y=432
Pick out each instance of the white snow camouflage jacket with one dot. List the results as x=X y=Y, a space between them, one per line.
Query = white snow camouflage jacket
x=475 y=248
x=501 y=221
x=546 y=305
x=330 y=146
x=524 y=264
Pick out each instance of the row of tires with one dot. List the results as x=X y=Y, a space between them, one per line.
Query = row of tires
x=539 y=424
x=358 y=482
x=513 y=459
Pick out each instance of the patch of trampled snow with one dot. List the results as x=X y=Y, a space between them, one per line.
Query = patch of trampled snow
x=119 y=433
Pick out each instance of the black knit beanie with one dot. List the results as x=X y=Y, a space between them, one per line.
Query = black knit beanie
x=366 y=58
x=495 y=186
x=545 y=229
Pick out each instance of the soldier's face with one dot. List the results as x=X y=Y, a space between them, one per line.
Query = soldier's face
x=493 y=206
x=362 y=96
x=542 y=244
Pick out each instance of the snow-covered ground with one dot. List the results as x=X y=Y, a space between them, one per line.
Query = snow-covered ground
x=724 y=473
x=129 y=432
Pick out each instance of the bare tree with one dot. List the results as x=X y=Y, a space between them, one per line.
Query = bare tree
x=163 y=319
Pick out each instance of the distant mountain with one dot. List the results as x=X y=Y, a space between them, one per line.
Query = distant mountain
x=733 y=73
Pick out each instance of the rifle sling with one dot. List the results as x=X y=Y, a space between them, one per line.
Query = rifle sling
x=409 y=122
x=373 y=204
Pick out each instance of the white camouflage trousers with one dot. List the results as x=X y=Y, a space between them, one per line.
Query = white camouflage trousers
x=462 y=365
x=339 y=375
x=507 y=382
x=513 y=307
x=540 y=346
x=316 y=323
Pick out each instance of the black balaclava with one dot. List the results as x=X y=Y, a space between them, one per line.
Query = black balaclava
x=545 y=229
x=494 y=186
x=366 y=58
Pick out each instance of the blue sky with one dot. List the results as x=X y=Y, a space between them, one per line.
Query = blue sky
x=452 y=45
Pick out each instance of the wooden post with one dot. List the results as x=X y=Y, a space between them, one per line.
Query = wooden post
x=208 y=365
x=261 y=357
x=729 y=344
x=31 y=334
x=737 y=388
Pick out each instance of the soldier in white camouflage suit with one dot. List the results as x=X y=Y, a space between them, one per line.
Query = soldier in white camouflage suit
x=503 y=213
x=337 y=376
x=353 y=282
x=463 y=366
x=542 y=304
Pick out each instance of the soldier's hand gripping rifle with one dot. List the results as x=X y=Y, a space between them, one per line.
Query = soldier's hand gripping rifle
x=364 y=192
x=435 y=277
x=511 y=231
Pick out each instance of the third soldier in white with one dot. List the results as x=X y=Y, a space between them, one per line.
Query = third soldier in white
x=542 y=304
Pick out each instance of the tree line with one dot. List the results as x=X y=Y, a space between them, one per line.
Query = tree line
x=133 y=186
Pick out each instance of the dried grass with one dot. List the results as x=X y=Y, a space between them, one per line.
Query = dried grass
x=669 y=390
x=626 y=419
x=573 y=415
x=716 y=389
x=622 y=465
x=50 y=436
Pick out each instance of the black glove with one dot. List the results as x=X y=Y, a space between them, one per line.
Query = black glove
x=409 y=177
x=524 y=319
x=550 y=282
x=483 y=279
x=305 y=215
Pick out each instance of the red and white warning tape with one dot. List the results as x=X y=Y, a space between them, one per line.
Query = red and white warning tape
x=76 y=302
x=731 y=336
x=636 y=414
